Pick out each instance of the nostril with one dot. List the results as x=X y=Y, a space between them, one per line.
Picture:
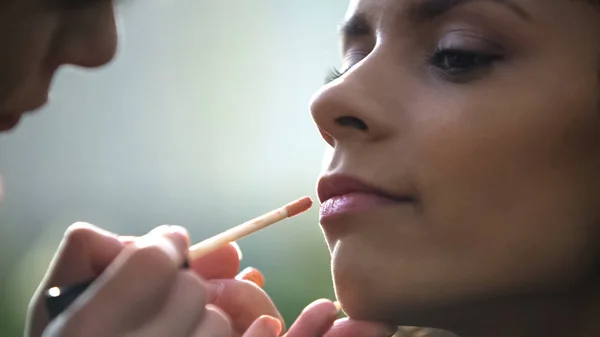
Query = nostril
x=327 y=137
x=352 y=122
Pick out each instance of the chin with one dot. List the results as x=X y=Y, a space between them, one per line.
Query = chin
x=363 y=299
x=366 y=299
x=360 y=286
x=372 y=288
x=9 y=122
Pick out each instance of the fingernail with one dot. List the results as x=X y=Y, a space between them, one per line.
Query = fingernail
x=252 y=275
x=181 y=235
x=273 y=325
x=334 y=309
x=127 y=239
x=237 y=249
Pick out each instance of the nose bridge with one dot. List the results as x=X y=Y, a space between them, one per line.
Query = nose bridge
x=88 y=37
x=359 y=94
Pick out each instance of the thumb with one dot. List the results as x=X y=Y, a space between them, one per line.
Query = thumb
x=243 y=301
x=315 y=320
x=83 y=254
x=264 y=326
x=319 y=319
x=346 y=327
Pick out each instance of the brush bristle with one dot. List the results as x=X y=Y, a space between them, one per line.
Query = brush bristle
x=299 y=206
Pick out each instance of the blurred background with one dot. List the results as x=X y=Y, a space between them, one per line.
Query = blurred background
x=201 y=121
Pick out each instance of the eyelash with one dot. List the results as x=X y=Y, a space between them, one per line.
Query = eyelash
x=465 y=61
x=332 y=75
x=441 y=60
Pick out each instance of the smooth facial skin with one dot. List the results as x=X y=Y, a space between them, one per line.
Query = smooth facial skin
x=484 y=116
x=39 y=36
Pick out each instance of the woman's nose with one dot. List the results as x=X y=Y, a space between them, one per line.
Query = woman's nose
x=348 y=109
x=88 y=36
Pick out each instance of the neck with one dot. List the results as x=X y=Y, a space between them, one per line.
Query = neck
x=551 y=315
x=568 y=313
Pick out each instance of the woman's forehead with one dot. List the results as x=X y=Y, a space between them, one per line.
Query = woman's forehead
x=373 y=11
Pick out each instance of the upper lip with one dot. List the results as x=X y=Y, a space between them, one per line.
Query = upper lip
x=338 y=184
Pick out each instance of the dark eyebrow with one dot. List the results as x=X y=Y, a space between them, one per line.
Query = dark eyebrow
x=356 y=26
x=427 y=10
x=423 y=11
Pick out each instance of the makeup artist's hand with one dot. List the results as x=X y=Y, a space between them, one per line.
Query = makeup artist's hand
x=123 y=302
x=245 y=303
x=243 y=300
x=140 y=291
x=319 y=319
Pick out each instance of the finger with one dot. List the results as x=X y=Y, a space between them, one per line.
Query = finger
x=184 y=310
x=223 y=263
x=126 y=240
x=243 y=301
x=83 y=254
x=264 y=326
x=315 y=320
x=345 y=327
x=136 y=285
x=252 y=275
x=214 y=324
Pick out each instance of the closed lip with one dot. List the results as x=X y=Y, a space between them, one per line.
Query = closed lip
x=338 y=185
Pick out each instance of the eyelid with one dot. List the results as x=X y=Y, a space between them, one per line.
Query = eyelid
x=465 y=38
x=353 y=57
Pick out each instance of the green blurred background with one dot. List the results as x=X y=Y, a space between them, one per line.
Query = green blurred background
x=201 y=121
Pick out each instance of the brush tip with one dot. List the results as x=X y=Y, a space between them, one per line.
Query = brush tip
x=299 y=206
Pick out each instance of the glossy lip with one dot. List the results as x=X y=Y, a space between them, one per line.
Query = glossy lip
x=342 y=195
x=338 y=185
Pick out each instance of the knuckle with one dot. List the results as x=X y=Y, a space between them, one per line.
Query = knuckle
x=151 y=258
x=79 y=232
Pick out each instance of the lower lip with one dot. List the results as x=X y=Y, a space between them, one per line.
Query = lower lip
x=353 y=203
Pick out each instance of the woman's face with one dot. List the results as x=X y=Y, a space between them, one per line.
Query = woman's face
x=39 y=36
x=466 y=154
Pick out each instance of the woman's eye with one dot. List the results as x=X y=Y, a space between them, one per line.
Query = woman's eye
x=351 y=59
x=333 y=75
x=457 y=62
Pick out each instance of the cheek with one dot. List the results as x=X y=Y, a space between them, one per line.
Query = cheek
x=512 y=183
